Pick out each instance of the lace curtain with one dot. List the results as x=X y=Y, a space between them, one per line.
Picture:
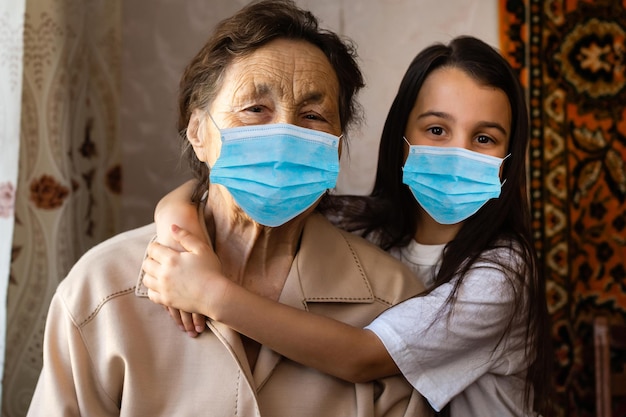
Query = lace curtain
x=59 y=193
x=11 y=23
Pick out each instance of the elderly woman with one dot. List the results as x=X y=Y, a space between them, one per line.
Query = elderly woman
x=263 y=107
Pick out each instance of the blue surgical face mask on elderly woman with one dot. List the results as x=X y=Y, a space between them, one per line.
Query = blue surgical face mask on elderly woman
x=276 y=171
x=451 y=184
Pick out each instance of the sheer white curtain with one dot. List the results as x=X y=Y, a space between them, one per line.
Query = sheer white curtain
x=11 y=50
x=63 y=195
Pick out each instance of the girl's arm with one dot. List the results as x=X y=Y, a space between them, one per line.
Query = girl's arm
x=333 y=347
x=176 y=208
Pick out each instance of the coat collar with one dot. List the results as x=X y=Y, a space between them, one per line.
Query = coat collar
x=321 y=277
x=316 y=275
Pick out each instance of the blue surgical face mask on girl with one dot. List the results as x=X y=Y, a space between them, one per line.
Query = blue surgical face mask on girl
x=276 y=171
x=451 y=184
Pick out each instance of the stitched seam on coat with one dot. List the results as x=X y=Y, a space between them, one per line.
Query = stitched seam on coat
x=381 y=300
x=337 y=298
x=89 y=354
x=363 y=277
x=356 y=259
x=237 y=395
x=103 y=302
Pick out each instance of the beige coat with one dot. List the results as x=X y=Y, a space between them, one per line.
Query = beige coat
x=109 y=351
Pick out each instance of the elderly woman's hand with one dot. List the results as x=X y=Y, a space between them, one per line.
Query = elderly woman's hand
x=200 y=283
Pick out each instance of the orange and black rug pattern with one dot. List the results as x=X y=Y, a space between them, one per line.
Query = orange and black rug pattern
x=571 y=56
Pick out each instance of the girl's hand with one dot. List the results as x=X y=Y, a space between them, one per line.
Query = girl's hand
x=192 y=323
x=185 y=282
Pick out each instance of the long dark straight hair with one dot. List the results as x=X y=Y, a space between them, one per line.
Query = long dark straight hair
x=389 y=213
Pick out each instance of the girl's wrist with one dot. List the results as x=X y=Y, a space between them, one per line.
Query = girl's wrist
x=219 y=295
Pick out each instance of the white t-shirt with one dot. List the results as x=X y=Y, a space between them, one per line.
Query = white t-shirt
x=453 y=358
x=423 y=260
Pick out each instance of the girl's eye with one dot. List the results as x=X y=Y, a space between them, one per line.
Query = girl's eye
x=438 y=131
x=483 y=139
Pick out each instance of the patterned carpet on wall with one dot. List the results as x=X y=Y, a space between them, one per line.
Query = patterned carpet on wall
x=571 y=56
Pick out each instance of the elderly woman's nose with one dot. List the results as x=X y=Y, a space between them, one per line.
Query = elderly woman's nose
x=288 y=117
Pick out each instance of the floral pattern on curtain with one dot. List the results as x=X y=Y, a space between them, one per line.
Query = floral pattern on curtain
x=69 y=177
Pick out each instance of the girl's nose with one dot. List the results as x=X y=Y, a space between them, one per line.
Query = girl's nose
x=460 y=141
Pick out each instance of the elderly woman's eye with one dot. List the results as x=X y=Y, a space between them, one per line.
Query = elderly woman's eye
x=255 y=109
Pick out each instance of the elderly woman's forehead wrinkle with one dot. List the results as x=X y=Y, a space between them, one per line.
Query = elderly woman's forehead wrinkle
x=257 y=81
x=293 y=78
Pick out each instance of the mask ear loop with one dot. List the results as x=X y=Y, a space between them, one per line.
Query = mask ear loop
x=205 y=195
x=214 y=123
x=503 y=159
x=408 y=150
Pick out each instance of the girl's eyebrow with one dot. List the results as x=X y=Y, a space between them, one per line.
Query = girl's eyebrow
x=440 y=114
x=447 y=116
x=493 y=125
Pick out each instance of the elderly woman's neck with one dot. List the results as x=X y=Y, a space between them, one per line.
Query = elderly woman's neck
x=256 y=256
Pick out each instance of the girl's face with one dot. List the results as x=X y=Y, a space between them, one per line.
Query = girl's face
x=453 y=110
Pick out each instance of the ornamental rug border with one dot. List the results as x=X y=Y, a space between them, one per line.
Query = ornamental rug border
x=571 y=57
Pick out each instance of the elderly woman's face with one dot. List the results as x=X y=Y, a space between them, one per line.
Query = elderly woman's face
x=285 y=81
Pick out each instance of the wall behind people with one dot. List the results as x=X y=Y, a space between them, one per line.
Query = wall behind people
x=161 y=35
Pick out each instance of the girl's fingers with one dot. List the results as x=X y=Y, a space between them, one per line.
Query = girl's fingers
x=175 y=314
x=149 y=267
x=158 y=252
x=187 y=240
x=187 y=320
x=199 y=322
x=154 y=296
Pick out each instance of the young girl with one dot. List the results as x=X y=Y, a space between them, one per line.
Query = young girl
x=449 y=201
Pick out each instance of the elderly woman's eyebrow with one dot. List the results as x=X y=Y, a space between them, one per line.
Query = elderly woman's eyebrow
x=263 y=89
x=313 y=96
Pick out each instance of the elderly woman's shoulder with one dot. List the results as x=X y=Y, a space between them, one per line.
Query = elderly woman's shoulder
x=106 y=271
x=121 y=247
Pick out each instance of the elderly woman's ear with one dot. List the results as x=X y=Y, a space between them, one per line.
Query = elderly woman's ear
x=197 y=136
